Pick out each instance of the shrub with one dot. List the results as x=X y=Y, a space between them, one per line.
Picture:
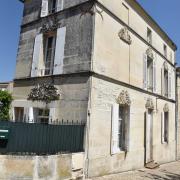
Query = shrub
x=5 y=101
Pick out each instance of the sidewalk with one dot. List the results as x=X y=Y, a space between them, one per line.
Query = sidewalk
x=170 y=171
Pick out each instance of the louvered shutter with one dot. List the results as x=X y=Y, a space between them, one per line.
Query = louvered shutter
x=38 y=48
x=59 y=52
x=173 y=75
x=154 y=76
x=44 y=8
x=145 y=71
x=60 y=4
x=162 y=127
x=162 y=81
x=169 y=85
x=115 y=139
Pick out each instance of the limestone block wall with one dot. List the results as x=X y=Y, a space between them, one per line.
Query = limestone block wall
x=101 y=161
x=36 y=167
x=139 y=21
x=32 y=8
x=55 y=167
x=78 y=42
x=118 y=59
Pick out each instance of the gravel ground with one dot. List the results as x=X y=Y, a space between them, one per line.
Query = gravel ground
x=170 y=171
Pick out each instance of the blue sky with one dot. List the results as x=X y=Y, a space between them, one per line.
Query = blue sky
x=165 y=12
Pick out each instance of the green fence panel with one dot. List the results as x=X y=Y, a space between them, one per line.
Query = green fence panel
x=40 y=139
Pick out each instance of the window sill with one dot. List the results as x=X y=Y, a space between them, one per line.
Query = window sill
x=121 y=152
x=165 y=143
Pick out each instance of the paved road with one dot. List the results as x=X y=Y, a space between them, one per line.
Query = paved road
x=170 y=171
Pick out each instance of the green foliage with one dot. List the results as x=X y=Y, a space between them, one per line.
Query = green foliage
x=5 y=99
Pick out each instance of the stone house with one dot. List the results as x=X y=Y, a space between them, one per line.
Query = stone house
x=114 y=68
x=8 y=86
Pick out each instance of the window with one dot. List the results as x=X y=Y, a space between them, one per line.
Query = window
x=149 y=36
x=42 y=115
x=49 y=54
x=150 y=74
x=165 y=50
x=166 y=122
x=52 y=6
x=166 y=82
x=120 y=128
x=19 y=114
x=165 y=127
x=171 y=57
x=125 y=13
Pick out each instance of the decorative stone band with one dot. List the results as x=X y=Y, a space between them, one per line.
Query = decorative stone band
x=166 y=108
x=149 y=104
x=149 y=53
x=124 y=99
x=45 y=93
x=124 y=35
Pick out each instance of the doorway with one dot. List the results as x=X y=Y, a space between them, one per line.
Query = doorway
x=149 y=136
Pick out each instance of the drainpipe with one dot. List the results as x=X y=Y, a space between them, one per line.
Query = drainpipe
x=177 y=75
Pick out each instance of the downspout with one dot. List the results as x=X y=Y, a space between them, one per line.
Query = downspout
x=177 y=75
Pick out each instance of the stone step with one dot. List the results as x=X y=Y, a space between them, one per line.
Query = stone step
x=152 y=165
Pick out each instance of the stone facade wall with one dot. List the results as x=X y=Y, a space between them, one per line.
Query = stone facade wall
x=104 y=94
x=78 y=42
x=36 y=167
x=32 y=9
x=73 y=102
x=139 y=21
x=122 y=61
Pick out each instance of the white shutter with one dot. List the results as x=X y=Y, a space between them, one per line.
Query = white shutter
x=169 y=85
x=127 y=131
x=60 y=4
x=31 y=115
x=59 y=52
x=52 y=114
x=173 y=75
x=36 y=54
x=162 y=127
x=115 y=116
x=44 y=8
x=154 y=76
x=162 y=81
x=145 y=71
